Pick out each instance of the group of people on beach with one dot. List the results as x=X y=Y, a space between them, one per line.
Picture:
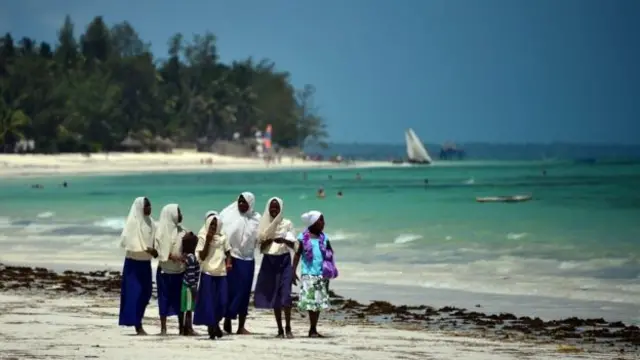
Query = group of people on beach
x=205 y=277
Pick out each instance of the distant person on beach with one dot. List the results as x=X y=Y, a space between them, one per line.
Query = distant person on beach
x=241 y=227
x=170 y=270
x=213 y=251
x=189 y=289
x=273 y=287
x=137 y=239
x=317 y=267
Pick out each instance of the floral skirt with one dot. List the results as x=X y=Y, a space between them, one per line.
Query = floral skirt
x=314 y=293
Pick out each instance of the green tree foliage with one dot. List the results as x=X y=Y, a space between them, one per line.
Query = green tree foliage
x=89 y=93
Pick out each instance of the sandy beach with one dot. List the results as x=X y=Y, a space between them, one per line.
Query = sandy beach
x=44 y=315
x=14 y=165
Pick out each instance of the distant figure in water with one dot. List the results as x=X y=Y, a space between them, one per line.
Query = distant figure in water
x=426 y=181
x=304 y=175
x=544 y=172
x=64 y=184
x=330 y=177
x=37 y=186
x=339 y=194
x=358 y=177
x=320 y=194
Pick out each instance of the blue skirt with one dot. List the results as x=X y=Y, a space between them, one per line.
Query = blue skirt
x=273 y=288
x=135 y=292
x=211 y=303
x=240 y=279
x=169 y=291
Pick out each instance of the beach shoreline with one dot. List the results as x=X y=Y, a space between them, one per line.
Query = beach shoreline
x=40 y=165
x=448 y=331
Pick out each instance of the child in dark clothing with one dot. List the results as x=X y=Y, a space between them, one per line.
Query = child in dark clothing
x=190 y=281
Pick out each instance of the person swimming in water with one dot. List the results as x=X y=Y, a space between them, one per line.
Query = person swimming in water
x=340 y=193
x=320 y=194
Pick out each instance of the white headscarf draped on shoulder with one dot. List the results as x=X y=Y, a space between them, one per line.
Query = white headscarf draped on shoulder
x=240 y=228
x=203 y=230
x=139 y=230
x=272 y=227
x=310 y=218
x=167 y=232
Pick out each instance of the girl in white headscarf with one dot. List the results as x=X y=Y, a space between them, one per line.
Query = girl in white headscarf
x=273 y=288
x=213 y=251
x=137 y=239
x=170 y=266
x=314 y=249
x=241 y=227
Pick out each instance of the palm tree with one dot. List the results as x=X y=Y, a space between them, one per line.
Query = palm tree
x=11 y=124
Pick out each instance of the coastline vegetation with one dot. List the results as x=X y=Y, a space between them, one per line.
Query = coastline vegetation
x=92 y=92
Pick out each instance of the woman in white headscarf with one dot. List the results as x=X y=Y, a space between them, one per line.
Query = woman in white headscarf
x=314 y=249
x=136 y=287
x=273 y=288
x=169 y=235
x=241 y=227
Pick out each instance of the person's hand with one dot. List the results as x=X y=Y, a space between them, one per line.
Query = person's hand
x=295 y=279
x=153 y=252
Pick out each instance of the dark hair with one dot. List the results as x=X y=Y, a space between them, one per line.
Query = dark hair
x=189 y=243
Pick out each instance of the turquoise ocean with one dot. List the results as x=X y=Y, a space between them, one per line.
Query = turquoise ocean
x=573 y=250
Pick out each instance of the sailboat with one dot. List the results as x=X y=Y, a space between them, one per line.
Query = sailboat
x=416 y=153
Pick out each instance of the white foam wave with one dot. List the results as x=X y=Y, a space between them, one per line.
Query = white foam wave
x=45 y=215
x=341 y=235
x=400 y=240
x=115 y=223
x=516 y=236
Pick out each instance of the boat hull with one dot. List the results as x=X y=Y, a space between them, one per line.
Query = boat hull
x=418 y=162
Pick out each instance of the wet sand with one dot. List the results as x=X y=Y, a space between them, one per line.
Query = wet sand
x=74 y=315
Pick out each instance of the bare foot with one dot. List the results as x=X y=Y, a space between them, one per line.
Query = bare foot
x=140 y=331
x=163 y=332
x=315 y=335
x=243 y=331
x=288 y=333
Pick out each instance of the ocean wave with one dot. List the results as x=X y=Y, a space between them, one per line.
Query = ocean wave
x=115 y=223
x=45 y=215
x=399 y=240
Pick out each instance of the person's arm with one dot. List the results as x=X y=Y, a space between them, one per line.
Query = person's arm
x=296 y=261
x=227 y=254
x=207 y=246
x=264 y=245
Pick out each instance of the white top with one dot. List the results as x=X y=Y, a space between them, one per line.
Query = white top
x=169 y=239
x=241 y=229
x=138 y=232
x=285 y=230
x=214 y=264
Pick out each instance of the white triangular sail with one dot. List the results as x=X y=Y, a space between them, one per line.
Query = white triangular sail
x=410 y=152
x=415 y=148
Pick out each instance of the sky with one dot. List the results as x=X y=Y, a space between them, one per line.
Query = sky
x=507 y=71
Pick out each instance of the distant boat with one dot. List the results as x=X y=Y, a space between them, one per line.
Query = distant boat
x=416 y=153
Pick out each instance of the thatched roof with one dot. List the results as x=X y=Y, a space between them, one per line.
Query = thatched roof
x=131 y=142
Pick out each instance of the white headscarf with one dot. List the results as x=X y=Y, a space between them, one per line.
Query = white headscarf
x=167 y=232
x=310 y=218
x=203 y=230
x=139 y=230
x=240 y=228
x=269 y=226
